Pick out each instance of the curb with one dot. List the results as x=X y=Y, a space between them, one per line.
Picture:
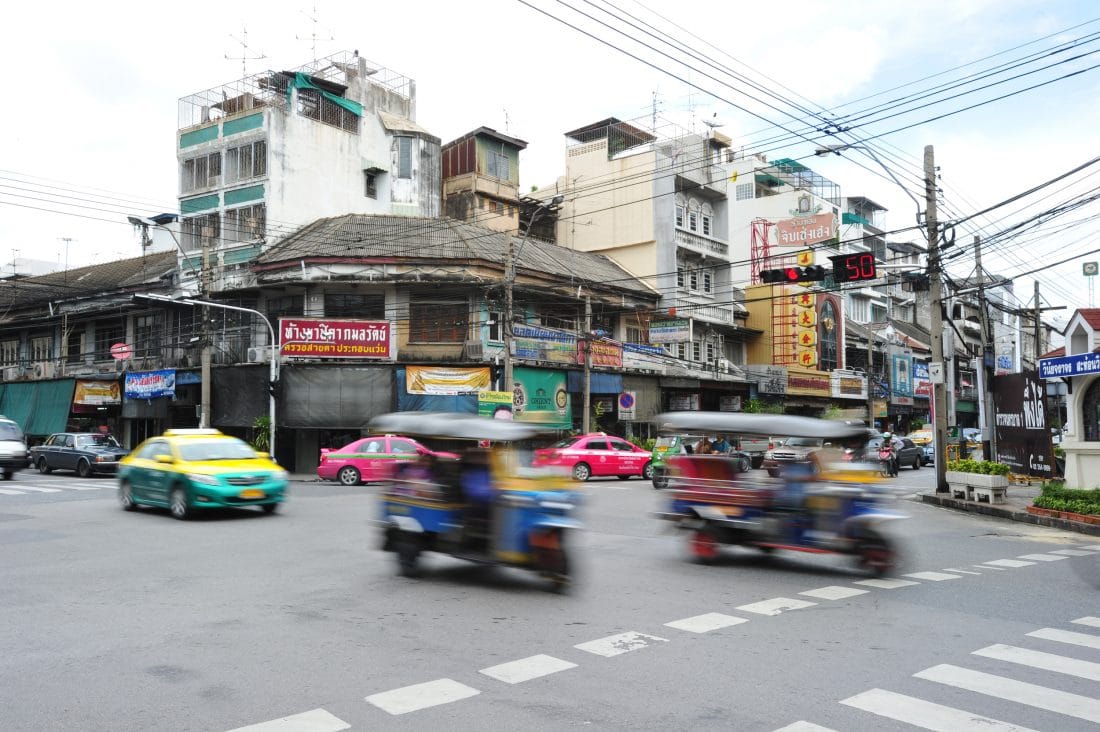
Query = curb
x=986 y=509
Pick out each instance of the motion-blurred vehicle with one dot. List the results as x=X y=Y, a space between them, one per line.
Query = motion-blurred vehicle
x=668 y=445
x=597 y=454
x=838 y=509
x=928 y=455
x=197 y=469
x=791 y=451
x=907 y=456
x=371 y=459
x=13 y=448
x=86 y=453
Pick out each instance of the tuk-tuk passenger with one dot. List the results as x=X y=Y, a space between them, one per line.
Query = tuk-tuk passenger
x=720 y=445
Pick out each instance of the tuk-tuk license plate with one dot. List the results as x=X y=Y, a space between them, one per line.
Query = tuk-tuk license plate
x=251 y=493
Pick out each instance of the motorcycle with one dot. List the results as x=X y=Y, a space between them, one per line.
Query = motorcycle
x=886 y=457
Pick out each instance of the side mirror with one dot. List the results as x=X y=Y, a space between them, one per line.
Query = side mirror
x=165 y=459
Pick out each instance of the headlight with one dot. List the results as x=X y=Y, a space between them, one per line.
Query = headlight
x=203 y=479
x=280 y=475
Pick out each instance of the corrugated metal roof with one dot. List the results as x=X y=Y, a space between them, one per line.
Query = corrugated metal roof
x=356 y=236
x=94 y=279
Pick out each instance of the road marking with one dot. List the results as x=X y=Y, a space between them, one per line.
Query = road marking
x=421 y=696
x=1039 y=659
x=1008 y=563
x=83 y=487
x=10 y=492
x=525 y=669
x=986 y=566
x=933 y=576
x=1067 y=636
x=614 y=645
x=1088 y=620
x=316 y=720
x=706 y=622
x=961 y=571
x=36 y=489
x=1091 y=547
x=834 y=592
x=803 y=726
x=1073 y=552
x=925 y=714
x=775 y=606
x=886 y=584
x=1042 y=557
x=1021 y=692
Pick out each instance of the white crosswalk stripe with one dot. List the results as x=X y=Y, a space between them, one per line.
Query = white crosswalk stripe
x=1088 y=620
x=1008 y=563
x=1043 y=557
x=316 y=720
x=36 y=489
x=925 y=714
x=1042 y=660
x=802 y=726
x=1073 y=552
x=421 y=696
x=1067 y=636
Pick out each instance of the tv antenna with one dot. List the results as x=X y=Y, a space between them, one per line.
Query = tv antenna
x=244 y=58
x=313 y=36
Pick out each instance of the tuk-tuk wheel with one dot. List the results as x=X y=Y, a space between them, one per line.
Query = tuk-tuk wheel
x=704 y=547
x=408 y=554
x=660 y=478
x=876 y=555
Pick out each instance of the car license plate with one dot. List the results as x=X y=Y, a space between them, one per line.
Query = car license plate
x=252 y=493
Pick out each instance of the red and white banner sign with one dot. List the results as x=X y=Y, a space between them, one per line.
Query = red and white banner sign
x=332 y=338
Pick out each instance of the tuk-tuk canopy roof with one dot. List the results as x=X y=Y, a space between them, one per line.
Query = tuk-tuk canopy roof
x=454 y=425
x=766 y=425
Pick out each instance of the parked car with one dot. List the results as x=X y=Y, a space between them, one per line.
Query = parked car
x=371 y=459
x=87 y=453
x=929 y=454
x=597 y=454
x=909 y=455
x=13 y=448
x=186 y=470
x=790 y=451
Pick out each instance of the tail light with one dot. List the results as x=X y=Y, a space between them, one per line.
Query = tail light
x=771 y=445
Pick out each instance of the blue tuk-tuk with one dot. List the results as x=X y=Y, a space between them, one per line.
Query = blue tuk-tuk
x=823 y=505
x=485 y=507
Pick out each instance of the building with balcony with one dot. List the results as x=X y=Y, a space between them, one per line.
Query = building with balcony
x=481 y=179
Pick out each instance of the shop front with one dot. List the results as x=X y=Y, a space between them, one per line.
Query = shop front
x=39 y=407
x=637 y=407
x=809 y=393
x=604 y=391
x=147 y=398
x=440 y=388
x=541 y=396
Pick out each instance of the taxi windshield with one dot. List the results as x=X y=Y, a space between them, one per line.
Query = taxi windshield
x=223 y=449
x=96 y=441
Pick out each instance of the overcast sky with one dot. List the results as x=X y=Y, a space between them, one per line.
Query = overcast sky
x=91 y=116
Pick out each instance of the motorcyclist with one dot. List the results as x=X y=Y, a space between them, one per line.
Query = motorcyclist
x=891 y=443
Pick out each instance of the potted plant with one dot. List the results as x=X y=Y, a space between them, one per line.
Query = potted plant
x=975 y=479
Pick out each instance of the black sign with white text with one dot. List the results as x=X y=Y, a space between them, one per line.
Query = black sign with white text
x=1023 y=431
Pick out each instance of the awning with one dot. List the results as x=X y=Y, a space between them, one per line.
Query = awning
x=602 y=383
x=40 y=407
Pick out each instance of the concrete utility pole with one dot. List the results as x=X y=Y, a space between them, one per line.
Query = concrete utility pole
x=939 y=391
x=204 y=293
x=586 y=421
x=506 y=316
x=989 y=437
x=1038 y=328
x=870 y=379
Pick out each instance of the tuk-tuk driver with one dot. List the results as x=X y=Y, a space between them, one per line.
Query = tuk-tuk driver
x=475 y=480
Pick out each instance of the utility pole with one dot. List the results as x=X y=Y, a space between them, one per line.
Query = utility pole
x=1038 y=328
x=870 y=378
x=586 y=421
x=989 y=438
x=939 y=391
x=204 y=290
x=506 y=327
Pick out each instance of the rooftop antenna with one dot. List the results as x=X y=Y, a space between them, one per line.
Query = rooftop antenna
x=313 y=36
x=244 y=58
x=506 y=122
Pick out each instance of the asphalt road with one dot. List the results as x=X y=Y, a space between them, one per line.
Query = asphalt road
x=124 y=621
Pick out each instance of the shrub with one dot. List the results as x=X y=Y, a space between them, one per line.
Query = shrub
x=983 y=467
x=1055 y=497
x=647 y=443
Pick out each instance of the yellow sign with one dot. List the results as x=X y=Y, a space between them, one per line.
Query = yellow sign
x=807 y=319
x=807 y=358
x=805 y=258
x=445 y=380
x=807 y=338
x=805 y=300
x=97 y=392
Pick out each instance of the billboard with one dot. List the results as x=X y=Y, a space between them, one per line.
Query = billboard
x=1023 y=432
x=335 y=338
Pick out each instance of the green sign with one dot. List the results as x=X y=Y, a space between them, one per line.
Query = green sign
x=542 y=396
x=495 y=404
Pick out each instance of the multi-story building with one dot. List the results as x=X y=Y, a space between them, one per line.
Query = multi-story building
x=481 y=179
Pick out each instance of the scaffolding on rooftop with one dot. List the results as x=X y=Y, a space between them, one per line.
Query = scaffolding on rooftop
x=797 y=175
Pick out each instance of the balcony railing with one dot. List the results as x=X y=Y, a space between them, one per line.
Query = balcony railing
x=694 y=306
x=701 y=244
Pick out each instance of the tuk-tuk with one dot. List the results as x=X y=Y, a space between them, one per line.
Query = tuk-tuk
x=485 y=507
x=667 y=446
x=829 y=506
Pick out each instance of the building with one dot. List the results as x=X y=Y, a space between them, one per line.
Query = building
x=481 y=179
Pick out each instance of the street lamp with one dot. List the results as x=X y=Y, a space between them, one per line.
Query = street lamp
x=838 y=149
x=273 y=371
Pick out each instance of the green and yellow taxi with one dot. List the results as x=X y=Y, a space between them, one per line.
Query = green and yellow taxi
x=192 y=469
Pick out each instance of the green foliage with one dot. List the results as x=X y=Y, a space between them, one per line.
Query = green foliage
x=1056 y=497
x=982 y=467
x=647 y=443
x=261 y=433
x=833 y=412
x=759 y=406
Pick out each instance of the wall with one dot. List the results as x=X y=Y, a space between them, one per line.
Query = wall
x=601 y=212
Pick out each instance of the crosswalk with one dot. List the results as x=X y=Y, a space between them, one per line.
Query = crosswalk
x=32 y=487
x=1049 y=657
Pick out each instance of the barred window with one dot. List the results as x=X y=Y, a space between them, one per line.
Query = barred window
x=74 y=345
x=433 y=321
x=108 y=333
x=201 y=172
x=246 y=162
x=42 y=348
x=199 y=229
x=339 y=305
x=245 y=224
x=147 y=335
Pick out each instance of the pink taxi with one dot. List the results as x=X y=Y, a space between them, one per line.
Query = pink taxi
x=371 y=459
x=597 y=454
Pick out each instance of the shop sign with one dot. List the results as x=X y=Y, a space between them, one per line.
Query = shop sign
x=847 y=384
x=677 y=330
x=803 y=231
x=495 y=404
x=628 y=406
x=536 y=343
x=769 y=379
x=922 y=384
x=901 y=382
x=729 y=403
x=604 y=353
x=150 y=384
x=335 y=338
x=643 y=348
x=804 y=300
x=97 y=392
x=807 y=358
x=542 y=396
x=809 y=385
x=683 y=402
x=1057 y=368
x=443 y=380
x=1023 y=432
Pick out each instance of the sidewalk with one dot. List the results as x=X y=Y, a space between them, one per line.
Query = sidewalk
x=1017 y=499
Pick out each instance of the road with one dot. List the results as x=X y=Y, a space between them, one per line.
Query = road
x=124 y=621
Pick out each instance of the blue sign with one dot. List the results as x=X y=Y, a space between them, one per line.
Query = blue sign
x=150 y=384
x=1080 y=365
x=643 y=348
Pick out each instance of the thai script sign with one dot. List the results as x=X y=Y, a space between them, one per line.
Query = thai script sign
x=536 y=343
x=848 y=384
x=1023 y=434
x=670 y=331
x=922 y=384
x=332 y=338
x=769 y=379
x=445 y=381
x=809 y=385
x=604 y=353
x=150 y=384
x=495 y=404
x=97 y=392
x=1056 y=368
x=805 y=230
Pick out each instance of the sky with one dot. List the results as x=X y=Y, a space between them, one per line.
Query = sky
x=89 y=132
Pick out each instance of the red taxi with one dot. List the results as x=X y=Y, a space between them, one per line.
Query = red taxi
x=371 y=459
x=597 y=454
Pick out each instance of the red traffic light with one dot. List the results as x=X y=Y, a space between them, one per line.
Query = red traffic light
x=813 y=273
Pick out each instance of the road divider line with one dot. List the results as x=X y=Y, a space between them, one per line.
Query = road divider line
x=1021 y=692
x=1067 y=636
x=834 y=592
x=887 y=584
x=933 y=576
x=1041 y=660
x=1088 y=620
x=614 y=645
x=925 y=714
x=775 y=606
x=421 y=696
x=706 y=622
x=315 y=720
x=1042 y=557
x=1008 y=563
x=1090 y=547
x=525 y=669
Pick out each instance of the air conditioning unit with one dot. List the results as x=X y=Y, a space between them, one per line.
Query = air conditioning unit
x=12 y=373
x=473 y=350
x=45 y=370
x=259 y=354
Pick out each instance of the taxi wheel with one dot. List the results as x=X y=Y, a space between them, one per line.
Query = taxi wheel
x=126 y=496
x=84 y=469
x=348 y=476
x=581 y=472
x=270 y=508
x=647 y=471
x=180 y=507
x=44 y=467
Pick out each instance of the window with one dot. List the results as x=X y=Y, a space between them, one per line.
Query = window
x=403 y=447
x=404 y=157
x=41 y=348
x=679 y=276
x=246 y=162
x=693 y=281
x=108 y=333
x=9 y=352
x=74 y=345
x=693 y=220
x=245 y=224
x=432 y=321
x=289 y=306
x=496 y=326
x=313 y=104
x=596 y=445
x=370 y=184
x=708 y=282
x=858 y=308
x=496 y=164
x=498 y=207
x=707 y=218
x=711 y=351
x=355 y=306
x=201 y=172
x=743 y=192
x=147 y=335
x=634 y=334
x=197 y=230
x=679 y=216
x=828 y=335
x=696 y=351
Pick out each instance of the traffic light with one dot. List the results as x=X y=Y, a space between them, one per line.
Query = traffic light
x=813 y=273
x=854 y=267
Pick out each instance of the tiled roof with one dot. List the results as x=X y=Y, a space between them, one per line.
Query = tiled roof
x=356 y=236
x=95 y=279
x=1091 y=316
